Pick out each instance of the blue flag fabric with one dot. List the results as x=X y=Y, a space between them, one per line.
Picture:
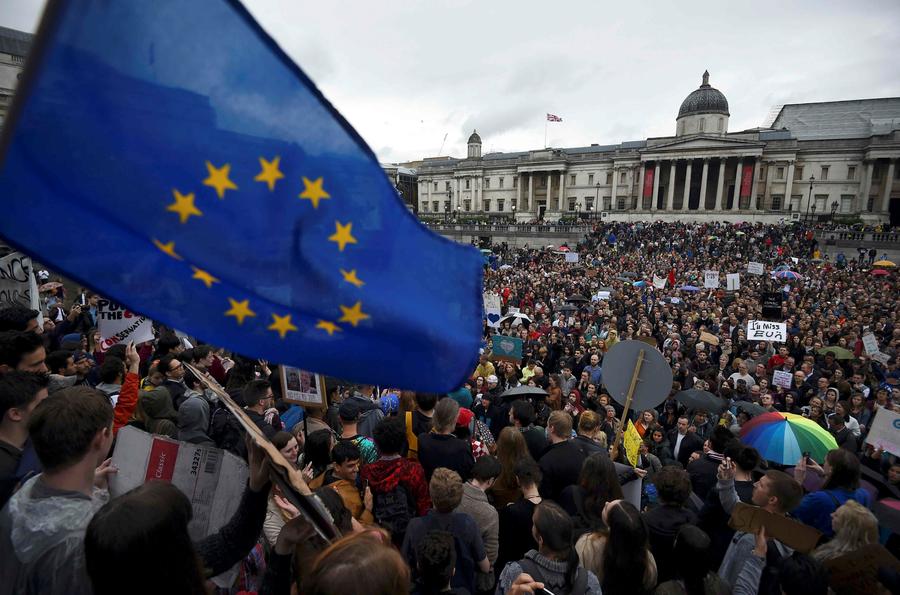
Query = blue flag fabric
x=169 y=155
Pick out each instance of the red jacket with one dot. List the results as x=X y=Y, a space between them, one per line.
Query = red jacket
x=128 y=398
x=384 y=475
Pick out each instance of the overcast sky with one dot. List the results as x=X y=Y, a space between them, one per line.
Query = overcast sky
x=405 y=73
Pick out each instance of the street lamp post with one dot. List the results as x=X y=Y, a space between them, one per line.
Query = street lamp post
x=515 y=226
x=809 y=200
x=597 y=199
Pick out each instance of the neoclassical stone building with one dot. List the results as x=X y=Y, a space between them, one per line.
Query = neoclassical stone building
x=805 y=160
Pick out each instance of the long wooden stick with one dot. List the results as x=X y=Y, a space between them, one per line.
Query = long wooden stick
x=629 y=396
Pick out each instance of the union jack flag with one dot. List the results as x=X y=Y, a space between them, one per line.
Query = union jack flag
x=552 y=118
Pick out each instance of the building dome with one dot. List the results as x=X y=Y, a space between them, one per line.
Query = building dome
x=474 y=138
x=705 y=100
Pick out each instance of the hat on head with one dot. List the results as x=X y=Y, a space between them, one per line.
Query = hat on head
x=80 y=356
x=492 y=379
x=348 y=411
x=464 y=418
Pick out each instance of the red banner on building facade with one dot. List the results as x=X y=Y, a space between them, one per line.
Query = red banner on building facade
x=746 y=180
x=648 y=182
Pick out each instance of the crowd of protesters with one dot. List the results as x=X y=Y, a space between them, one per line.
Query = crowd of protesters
x=479 y=491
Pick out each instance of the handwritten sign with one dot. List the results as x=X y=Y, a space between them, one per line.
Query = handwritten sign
x=763 y=330
x=885 y=431
x=120 y=325
x=659 y=282
x=18 y=286
x=711 y=279
x=870 y=344
x=782 y=379
x=492 y=309
x=507 y=348
x=571 y=256
x=756 y=268
x=733 y=281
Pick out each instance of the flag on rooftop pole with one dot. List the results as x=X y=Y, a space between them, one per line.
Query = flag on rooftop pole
x=552 y=118
x=196 y=175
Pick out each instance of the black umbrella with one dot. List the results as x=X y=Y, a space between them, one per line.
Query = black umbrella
x=565 y=308
x=701 y=399
x=630 y=274
x=750 y=407
x=577 y=298
x=523 y=390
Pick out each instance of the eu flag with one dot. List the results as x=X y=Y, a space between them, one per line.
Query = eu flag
x=171 y=156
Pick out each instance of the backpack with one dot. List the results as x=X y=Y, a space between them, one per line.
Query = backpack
x=412 y=440
x=579 y=585
x=226 y=431
x=393 y=510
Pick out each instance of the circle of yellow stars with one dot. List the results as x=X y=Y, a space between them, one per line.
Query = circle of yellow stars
x=219 y=179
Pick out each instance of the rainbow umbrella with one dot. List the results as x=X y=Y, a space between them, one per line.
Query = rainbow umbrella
x=784 y=437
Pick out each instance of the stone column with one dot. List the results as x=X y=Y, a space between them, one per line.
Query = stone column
x=563 y=203
x=655 y=187
x=756 y=168
x=866 y=186
x=788 y=186
x=641 y=186
x=670 y=190
x=454 y=202
x=519 y=183
x=767 y=193
x=430 y=184
x=550 y=208
x=530 y=192
x=736 y=202
x=888 y=182
x=686 y=195
x=704 y=177
x=615 y=186
x=720 y=184
x=631 y=181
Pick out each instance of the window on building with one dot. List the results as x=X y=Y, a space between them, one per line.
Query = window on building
x=820 y=203
x=468 y=205
x=702 y=127
x=435 y=186
x=794 y=207
x=824 y=173
x=446 y=206
x=487 y=204
x=487 y=183
x=425 y=206
x=501 y=181
x=572 y=205
x=590 y=179
x=851 y=172
x=515 y=181
x=721 y=124
x=589 y=202
x=467 y=186
x=846 y=204
x=606 y=203
x=446 y=186
x=609 y=177
x=776 y=202
x=572 y=178
x=620 y=203
x=870 y=206
x=779 y=173
x=500 y=204
x=622 y=177
x=762 y=172
x=798 y=172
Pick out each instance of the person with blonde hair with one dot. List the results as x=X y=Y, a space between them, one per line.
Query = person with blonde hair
x=854 y=527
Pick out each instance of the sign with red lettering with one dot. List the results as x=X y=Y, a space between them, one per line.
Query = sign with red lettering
x=119 y=325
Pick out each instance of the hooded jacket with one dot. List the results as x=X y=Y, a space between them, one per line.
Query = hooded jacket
x=161 y=415
x=193 y=421
x=385 y=474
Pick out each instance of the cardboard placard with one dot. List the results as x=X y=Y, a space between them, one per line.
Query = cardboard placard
x=117 y=325
x=709 y=338
x=857 y=572
x=18 y=286
x=771 y=304
x=782 y=379
x=506 y=348
x=733 y=281
x=870 y=344
x=711 y=279
x=762 y=330
x=756 y=268
x=302 y=388
x=884 y=433
x=749 y=518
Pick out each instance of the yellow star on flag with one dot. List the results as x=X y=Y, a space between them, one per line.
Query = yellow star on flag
x=202 y=275
x=328 y=327
x=168 y=248
x=240 y=310
x=184 y=206
x=350 y=277
x=313 y=191
x=218 y=179
x=343 y=235
x=353 y=315
x=270 y=172
x=282 y=324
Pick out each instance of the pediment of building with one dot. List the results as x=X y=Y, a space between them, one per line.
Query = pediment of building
x=704 y=143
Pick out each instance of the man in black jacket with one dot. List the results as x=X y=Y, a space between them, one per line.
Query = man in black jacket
x=673 y=487
x=683 y=442
x=521 y=415
x=703 y=471
x=258 y=397
x=561 y=461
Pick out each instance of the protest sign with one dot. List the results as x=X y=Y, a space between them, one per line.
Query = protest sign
x=771 y=304
x=18 y=287
x=782 y=378
x=659 y=282
x=213 y=479
x=602 y=295
x=795 y=260
x=631 y=490
x=794 y=534
x=711 y=279
x=857 y=570
x=733 y=281
x=119 y=325
x=870 y=344
x=492 y=309
x=571 y=256
x=885 y=431
x=882 y=358
x=302 y=388
x=709 y=338
x=507 y=348
x=632 y=442
x=756 y=268
x=762 y=330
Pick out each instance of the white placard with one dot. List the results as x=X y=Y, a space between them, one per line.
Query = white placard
x=881 y=357
x=120 y=325
x=756 y=268
x=602 y=295
x=711 y=279
x=795 y=260
x=571 y=256
x=18 y=286
x=870 y=344
x=659 y=282
x=733 y=281
x=885 y=431
x=782 y=378
x=763 y=330
x=492 y=309
x=675 y=300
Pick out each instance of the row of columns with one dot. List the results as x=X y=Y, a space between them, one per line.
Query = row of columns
x=704 y=183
